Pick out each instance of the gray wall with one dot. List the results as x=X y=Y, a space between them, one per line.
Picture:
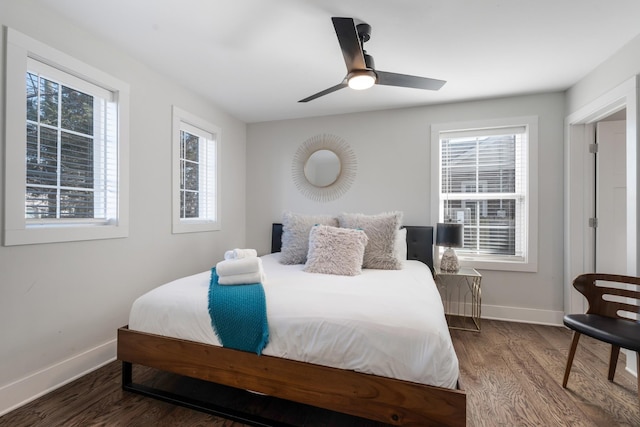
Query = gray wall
x=60 y=304
x=392 y=148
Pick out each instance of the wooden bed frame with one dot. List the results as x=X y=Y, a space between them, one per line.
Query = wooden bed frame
x=373 y=397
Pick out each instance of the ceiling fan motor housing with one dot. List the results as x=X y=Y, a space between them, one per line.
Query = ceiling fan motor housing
x=364 y=32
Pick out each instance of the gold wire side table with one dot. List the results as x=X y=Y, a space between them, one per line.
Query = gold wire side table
x=461 y=294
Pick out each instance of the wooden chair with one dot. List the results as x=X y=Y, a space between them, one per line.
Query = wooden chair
x=606 y=320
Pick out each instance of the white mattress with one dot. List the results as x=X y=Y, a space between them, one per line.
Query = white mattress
x=382 y=322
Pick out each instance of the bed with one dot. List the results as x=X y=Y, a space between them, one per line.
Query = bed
x=368 y=387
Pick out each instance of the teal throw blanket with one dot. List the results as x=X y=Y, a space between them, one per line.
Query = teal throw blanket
x=239 y=315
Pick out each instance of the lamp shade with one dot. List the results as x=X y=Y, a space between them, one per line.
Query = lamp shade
x=449 y=234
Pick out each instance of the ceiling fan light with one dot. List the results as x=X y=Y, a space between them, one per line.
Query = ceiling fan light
x=360 y=80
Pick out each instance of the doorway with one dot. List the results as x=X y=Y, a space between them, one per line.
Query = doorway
x=579 y=241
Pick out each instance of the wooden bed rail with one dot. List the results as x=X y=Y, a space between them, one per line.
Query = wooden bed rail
x=373 y=397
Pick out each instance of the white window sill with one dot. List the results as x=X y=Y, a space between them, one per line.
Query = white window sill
x=498 y=265
x=43 y=234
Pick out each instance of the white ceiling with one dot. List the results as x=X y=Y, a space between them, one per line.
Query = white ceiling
x=256 y=58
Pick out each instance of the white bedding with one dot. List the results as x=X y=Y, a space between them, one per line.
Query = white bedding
x=383 y=322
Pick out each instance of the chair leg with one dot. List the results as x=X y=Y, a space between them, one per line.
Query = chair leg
x=613 y=361
x=572 y=352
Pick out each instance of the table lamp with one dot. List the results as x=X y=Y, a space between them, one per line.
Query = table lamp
x=449 y=235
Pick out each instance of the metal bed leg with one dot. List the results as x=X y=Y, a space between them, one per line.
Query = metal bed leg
x=194 y=404
x=127 y=374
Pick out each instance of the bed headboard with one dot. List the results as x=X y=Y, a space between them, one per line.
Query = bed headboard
x=419 y=242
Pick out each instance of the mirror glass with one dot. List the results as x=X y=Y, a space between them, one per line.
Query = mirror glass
x=322 y=168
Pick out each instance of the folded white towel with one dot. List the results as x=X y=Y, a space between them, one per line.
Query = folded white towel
x=243 y=279
x=240 y=254
x=239 y=266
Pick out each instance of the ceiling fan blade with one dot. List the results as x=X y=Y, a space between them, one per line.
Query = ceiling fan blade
x=349 y=43
x=325 y=92
x=404 y=80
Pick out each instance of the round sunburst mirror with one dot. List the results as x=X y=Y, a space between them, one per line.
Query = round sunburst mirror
x=324 y=167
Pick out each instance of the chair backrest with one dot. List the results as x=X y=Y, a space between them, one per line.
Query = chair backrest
x=605 y=299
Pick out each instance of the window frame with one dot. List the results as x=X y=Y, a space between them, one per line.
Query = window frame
x=18 y=230
x=191 y=121
x=529 y=263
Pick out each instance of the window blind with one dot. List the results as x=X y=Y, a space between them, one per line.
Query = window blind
x=483 y=185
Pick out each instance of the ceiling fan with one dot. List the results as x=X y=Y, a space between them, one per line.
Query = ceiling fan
x=361 y=72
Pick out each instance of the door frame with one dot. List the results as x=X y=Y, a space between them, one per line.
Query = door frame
x=579 y=246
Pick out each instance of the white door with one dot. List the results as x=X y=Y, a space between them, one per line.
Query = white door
x=611 y=198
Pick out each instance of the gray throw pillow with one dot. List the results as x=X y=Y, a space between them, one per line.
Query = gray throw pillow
x=335 y=250
x=295 y=235
x=381 y=230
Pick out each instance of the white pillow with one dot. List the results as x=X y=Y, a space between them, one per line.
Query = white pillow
x=381 y=230
x=295 y=235
x=335 y=250
x=400 y=248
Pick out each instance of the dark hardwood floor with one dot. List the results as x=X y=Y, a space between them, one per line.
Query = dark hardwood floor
x=512 y=373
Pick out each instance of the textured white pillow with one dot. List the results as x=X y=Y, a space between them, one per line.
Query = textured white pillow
x=400 y=248
x=335 y=250
x=295 y=235
x=381 y=230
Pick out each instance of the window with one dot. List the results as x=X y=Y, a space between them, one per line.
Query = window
x=195 y=179
x=66 y=145
x=71 y=152
x=485 y=175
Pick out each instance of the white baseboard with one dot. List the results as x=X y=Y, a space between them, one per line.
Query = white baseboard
x=632 y=365
x=24 y=390
x=508 y=314
x=523 y=315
